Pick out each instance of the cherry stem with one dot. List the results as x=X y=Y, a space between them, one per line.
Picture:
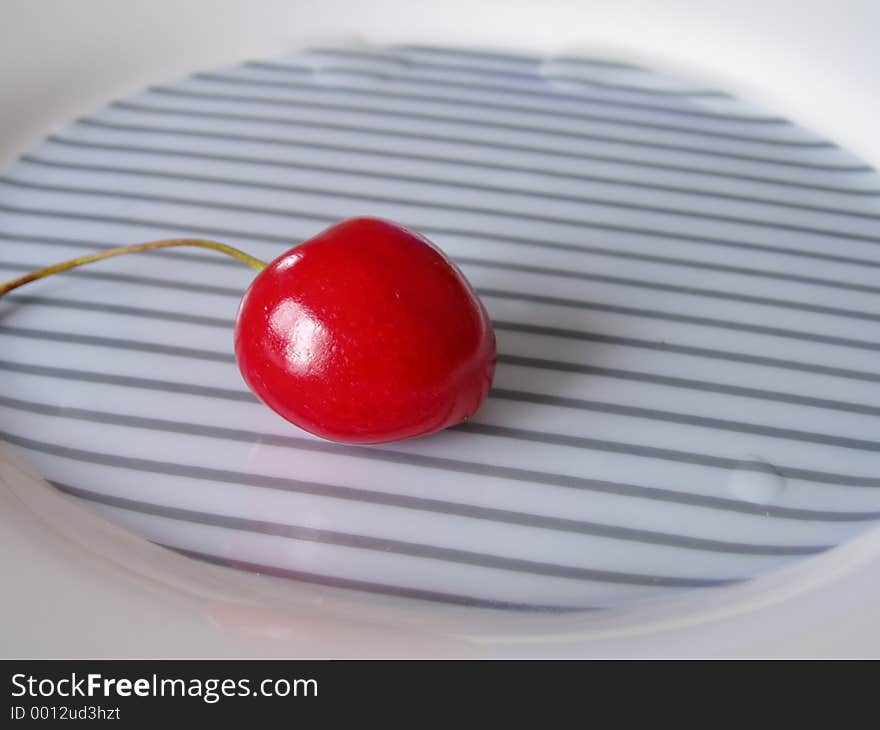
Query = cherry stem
x=136 y=248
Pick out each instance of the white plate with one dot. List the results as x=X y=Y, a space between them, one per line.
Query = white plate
x=682 y=289
x=772 y=76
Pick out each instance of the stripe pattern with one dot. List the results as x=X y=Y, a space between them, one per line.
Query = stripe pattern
x=685 y=292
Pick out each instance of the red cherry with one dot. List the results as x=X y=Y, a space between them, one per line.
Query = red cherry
x=366 y=333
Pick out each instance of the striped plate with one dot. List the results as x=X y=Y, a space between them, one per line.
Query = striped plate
x=685 y=292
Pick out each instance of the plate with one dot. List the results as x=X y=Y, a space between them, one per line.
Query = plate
x=683 y=290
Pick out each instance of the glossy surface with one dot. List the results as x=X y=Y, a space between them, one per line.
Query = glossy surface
x=364 y=334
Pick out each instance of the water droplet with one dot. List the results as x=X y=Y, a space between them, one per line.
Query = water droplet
x=757 y=481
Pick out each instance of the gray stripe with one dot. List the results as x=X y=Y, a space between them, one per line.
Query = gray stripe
x=90 y=245
x=189 y=286
x=327 y=580
x=653 y=414
x=542 y=243
x=324 y=125
x=464 y=260
x=480 y=210
x=307 y=73
x=504 y=359
x=130 y=381
x=739 y=270
x=664 y=346
x=519 y=395
x=506 y=56
x=328 y=537
x=422 y=179
x=673 y=288
x=568 y=273
x=122 y=310
x=499 y=294
x=228 y=324
x=482 y=143
x=688 y=384
x=387 y=454
x=582 y=99
x=118 y=343
x=466 y=103
x=176 y=228
x=537 y=521
x=363 y=586
x=487 y=429
x=685 y=318
x=506 y=394
x=535 y=74
x=653 y=452
x=397 y=154
x=287 y=213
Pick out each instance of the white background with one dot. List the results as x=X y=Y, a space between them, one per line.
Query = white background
x=816 y=62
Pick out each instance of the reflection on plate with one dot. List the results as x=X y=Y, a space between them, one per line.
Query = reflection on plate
x=684 y=293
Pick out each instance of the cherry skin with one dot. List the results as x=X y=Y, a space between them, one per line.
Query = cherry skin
x=366 y=333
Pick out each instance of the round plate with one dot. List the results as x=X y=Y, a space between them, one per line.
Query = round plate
x=683 y=289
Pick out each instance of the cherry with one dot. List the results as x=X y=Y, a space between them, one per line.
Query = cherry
x=365 y=333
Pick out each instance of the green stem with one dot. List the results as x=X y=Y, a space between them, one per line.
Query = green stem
x=111 y=252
